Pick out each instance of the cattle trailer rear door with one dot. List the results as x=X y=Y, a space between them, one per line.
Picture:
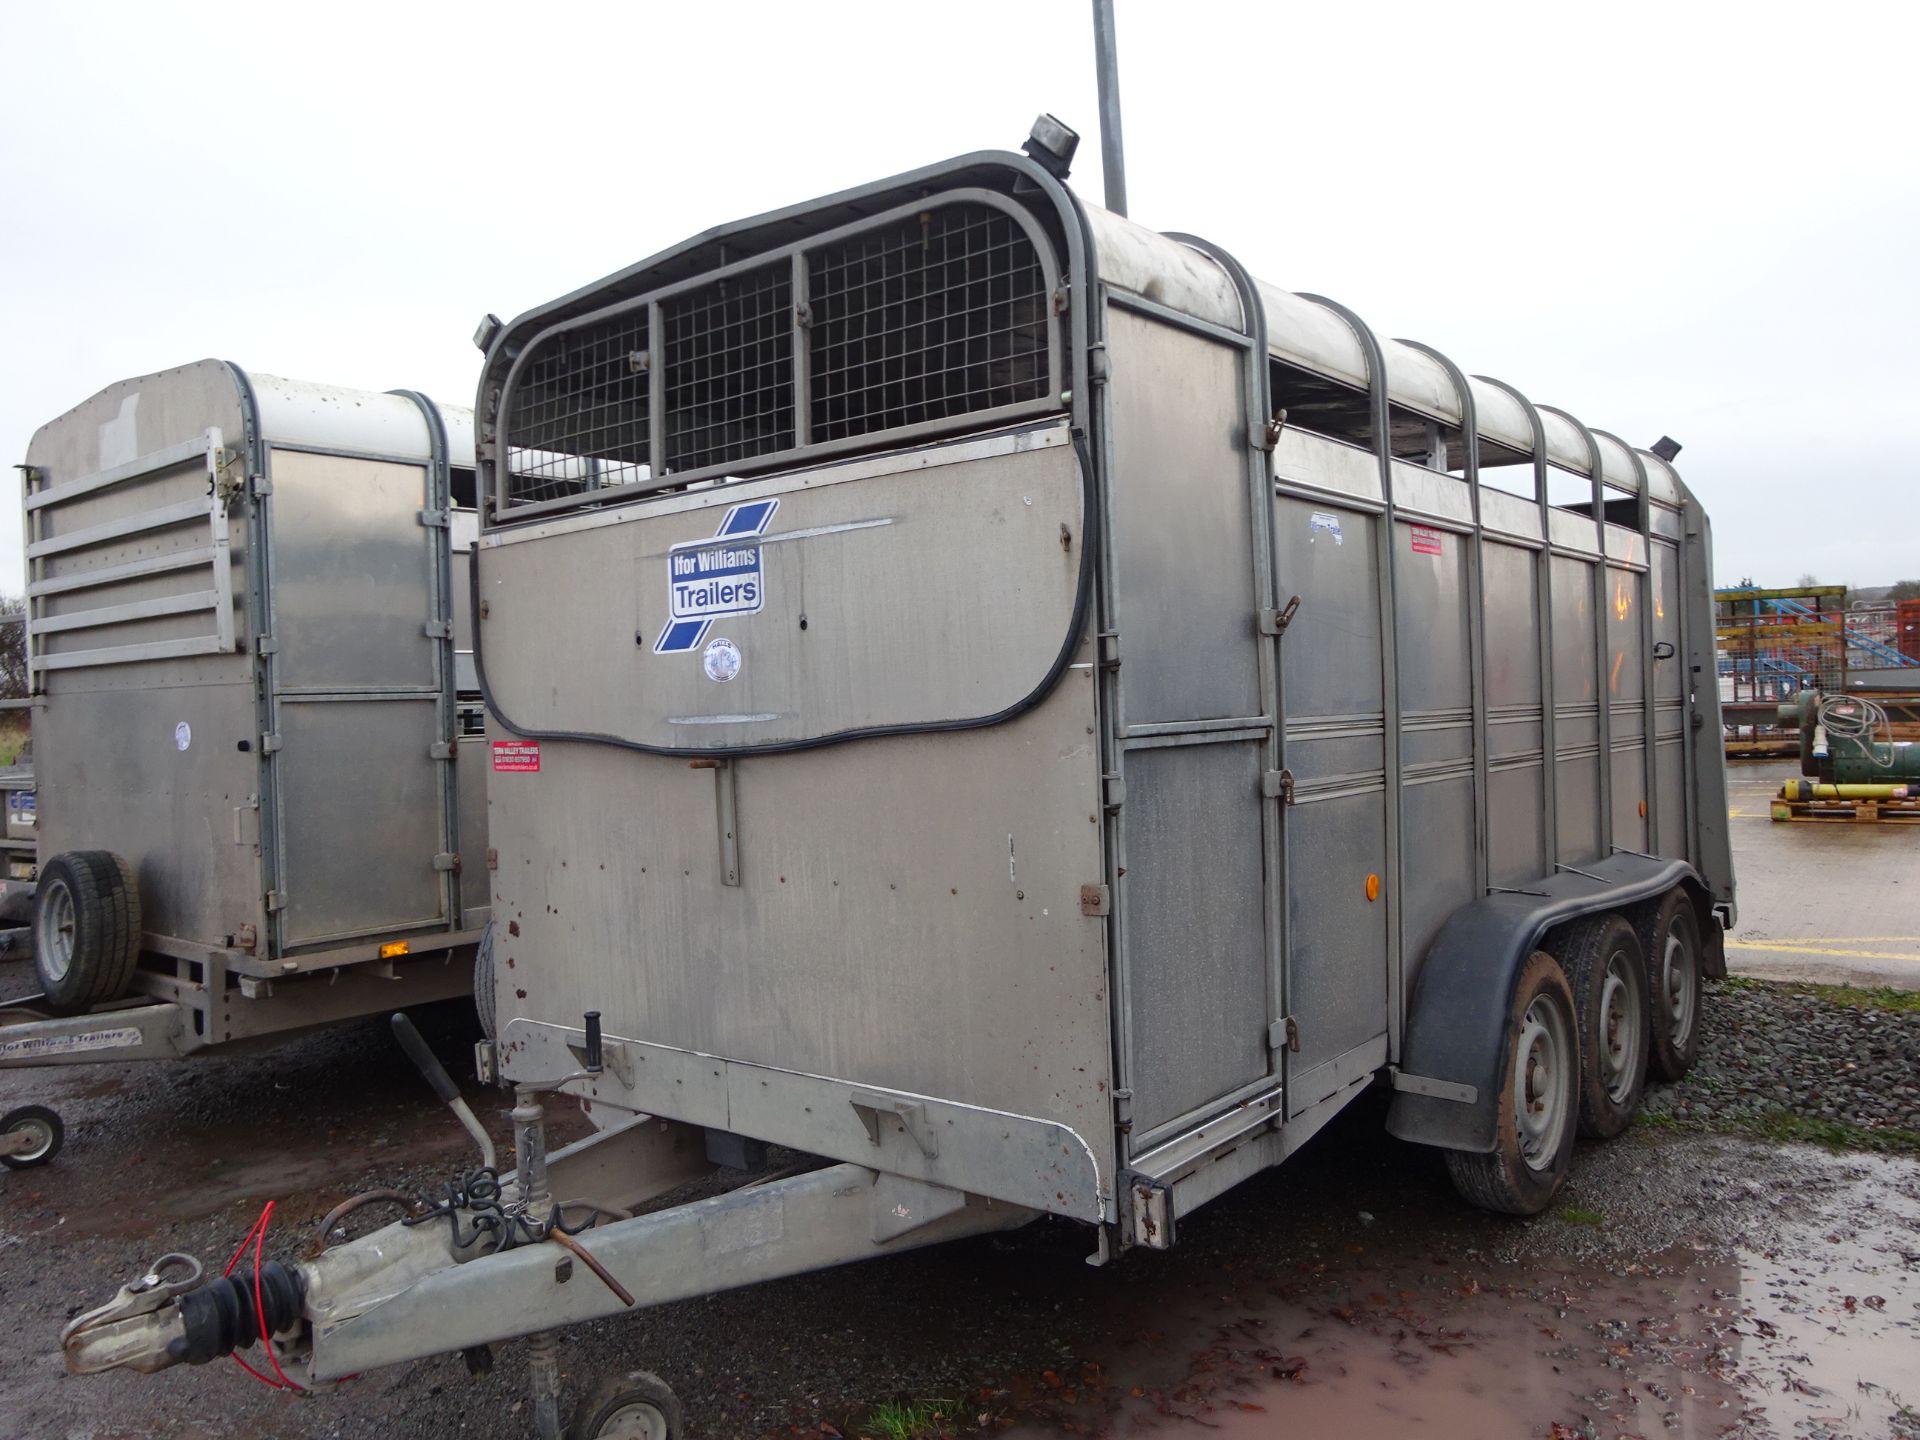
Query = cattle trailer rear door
x=1202 y=1023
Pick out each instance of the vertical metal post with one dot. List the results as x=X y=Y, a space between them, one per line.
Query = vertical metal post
x=1106 y=62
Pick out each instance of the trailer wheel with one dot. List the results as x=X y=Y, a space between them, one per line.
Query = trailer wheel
x=86 y=929
x=1604 y=964
x=636 y=1406
x=483 y=1000
x=47 y=1133
x=1670 y=937
x=1538 y=1103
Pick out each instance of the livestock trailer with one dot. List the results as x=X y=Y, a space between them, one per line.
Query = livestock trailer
x=1003 y=702
x=242 y=619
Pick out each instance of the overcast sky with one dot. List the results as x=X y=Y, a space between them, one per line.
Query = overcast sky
x=1699 y=220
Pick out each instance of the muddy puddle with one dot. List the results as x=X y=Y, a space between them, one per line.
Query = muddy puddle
x=1812 y=1330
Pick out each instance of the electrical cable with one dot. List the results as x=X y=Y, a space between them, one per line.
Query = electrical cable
x=1856 y=719
x=257 y=1238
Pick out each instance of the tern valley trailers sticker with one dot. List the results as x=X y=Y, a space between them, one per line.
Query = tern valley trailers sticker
x=708 y=579
x=516 y=756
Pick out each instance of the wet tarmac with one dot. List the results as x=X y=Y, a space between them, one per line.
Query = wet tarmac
x=1827 y=901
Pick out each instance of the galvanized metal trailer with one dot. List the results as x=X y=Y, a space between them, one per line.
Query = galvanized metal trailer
x=1003 y=702
x=242 y=634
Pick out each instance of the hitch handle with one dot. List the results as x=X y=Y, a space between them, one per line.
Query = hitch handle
x=593 y=1042
x=436 y=1075
x=424 y=1059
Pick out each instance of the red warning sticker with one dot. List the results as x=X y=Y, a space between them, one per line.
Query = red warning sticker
x=516 y=754
x=1425 y=542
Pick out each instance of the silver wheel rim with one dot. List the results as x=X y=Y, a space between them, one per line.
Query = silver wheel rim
x=54 y=940
x=638 y=1420
x=1542 y=1083
x=1677 y=974
x=1622 y=1037
x=33 y=1125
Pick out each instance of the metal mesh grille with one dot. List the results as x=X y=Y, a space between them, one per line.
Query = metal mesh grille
x=935 y=316
x=730 y=370
x=925 y=320
x=578 y=420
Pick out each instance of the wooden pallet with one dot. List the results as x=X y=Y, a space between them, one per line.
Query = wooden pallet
x=1868 y=812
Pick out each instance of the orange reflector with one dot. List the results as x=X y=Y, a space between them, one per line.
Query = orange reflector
x=393 y=948
x=1643 y=809
x=1373 y=887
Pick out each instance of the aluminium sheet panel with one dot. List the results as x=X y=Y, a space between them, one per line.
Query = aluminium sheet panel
x=1577 y=808
x=1196 y=935
x=1628 y=773
x=920 y=588
x=352 y=570
x=153 y=772
x=1516 y=825
x=1626 y=658
x=1510 y=582
x=908 y=913
x=1182 y=528
x=361 y=816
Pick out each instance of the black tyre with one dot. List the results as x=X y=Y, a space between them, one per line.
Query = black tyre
x=1669 y=933
x=483 y=997
x=1538 y=1103
x=45 y=1128
x=635 y=1406
x=1603 y=963
x=86 y=929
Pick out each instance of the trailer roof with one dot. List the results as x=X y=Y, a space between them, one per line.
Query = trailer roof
x=1312 y=334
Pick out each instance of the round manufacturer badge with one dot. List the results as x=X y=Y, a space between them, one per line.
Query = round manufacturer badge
x=721 y=659
x=182 y=735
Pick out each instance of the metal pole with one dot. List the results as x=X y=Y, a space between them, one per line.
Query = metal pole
x=1113 y=160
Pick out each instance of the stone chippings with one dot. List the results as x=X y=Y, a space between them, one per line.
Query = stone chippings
x=1767 y=1048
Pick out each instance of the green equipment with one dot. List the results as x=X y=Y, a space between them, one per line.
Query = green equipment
x=1838 y=744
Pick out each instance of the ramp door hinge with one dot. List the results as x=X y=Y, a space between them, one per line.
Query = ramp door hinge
x=276 y=901
x=435 y=519
x=1277 y=785
x=1110 y=649
x=493 y=858
x=1275 y=622
x=1113 y=787
x=269 y=744
x=1095 y=901
x=443 y=750
x=259 y=486
x=266 y=645
x=1284 y=1032
x=447 y=860
x=438 y=629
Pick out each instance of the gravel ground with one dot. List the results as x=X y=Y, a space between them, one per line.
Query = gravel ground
x=1794 y=1062
x=1332 y=1256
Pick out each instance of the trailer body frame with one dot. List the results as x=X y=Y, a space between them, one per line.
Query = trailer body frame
x=243 y=627
x=1226 y=832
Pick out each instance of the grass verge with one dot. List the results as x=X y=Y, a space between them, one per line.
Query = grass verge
x=910 y=1420
x=1881 y=997
x=1783 y=1127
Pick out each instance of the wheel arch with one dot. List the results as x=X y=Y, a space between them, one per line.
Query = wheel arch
x=1456 y=1014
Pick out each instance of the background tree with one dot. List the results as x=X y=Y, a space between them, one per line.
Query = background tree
x=13 y=647
x=1905 y=590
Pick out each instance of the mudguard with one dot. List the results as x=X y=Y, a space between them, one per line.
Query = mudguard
x=1456 y=1023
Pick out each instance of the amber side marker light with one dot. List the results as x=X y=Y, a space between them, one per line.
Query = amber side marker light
x=395 y=947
